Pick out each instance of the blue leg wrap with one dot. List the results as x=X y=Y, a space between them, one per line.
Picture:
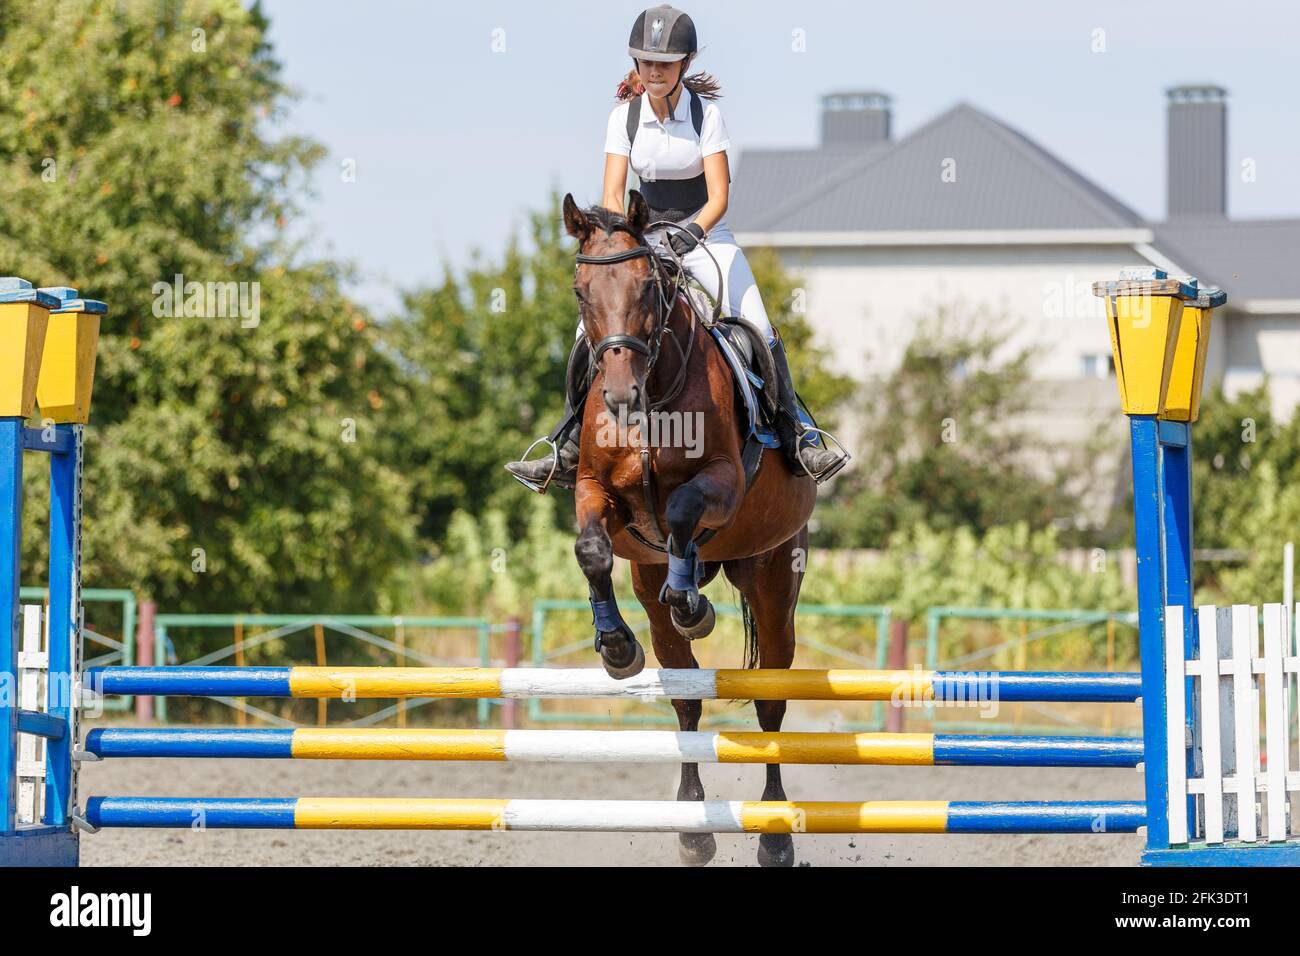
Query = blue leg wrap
x=605 y=616
x=684 y=574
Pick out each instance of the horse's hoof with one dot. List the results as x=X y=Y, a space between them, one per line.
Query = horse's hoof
x=636 y=666
x=703 y=624
x=697 y=849
x=775 y=849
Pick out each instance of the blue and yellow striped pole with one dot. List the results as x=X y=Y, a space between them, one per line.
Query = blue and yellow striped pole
x=603 y=816
x=620 y=746
x=355 y=683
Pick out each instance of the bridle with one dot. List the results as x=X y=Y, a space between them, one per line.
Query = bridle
x=668 y=286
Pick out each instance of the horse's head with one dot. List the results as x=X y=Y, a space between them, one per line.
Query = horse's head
x=618 y=296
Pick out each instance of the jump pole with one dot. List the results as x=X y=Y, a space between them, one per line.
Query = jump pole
x=624 y=746
x=635 y=816
x=352 y=683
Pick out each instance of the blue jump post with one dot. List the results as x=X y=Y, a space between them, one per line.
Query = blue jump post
x=1160 y=330
x=48 y=341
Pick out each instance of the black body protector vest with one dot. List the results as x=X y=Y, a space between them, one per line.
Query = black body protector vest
x=673 y=199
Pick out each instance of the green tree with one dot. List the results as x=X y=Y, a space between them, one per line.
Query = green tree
x=1246 y=493
x=949 y=444
x=485 y=356
x=135 y=147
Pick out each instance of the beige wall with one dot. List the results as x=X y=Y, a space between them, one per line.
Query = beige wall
x=863 y=303
x=1259 y=346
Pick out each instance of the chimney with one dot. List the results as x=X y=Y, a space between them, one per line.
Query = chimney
x=855 y=119
x=1198 y=151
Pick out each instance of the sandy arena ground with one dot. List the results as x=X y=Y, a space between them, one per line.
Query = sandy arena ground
x=287 y=778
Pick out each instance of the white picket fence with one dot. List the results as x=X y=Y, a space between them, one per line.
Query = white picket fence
x=33 y=686
x=1236 y=796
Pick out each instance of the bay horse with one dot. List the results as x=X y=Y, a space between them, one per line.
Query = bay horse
x=677 y=514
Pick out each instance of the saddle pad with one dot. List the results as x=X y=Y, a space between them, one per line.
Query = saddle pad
x=747 y=384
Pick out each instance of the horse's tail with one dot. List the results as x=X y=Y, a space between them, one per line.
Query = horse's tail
x=751 y=633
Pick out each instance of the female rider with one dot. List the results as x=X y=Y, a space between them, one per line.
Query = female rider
x=678 y=149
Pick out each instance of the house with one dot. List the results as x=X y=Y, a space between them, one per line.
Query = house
x=968 y=212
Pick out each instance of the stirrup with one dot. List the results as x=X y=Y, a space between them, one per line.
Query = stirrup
x=831 y=470
x=539 y=487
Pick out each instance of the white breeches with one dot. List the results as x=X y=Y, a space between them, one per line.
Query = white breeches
x=740 y=296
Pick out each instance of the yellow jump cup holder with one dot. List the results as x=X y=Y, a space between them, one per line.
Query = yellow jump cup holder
x=1159 y=334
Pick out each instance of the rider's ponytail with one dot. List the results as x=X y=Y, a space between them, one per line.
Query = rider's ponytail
x=702 y=84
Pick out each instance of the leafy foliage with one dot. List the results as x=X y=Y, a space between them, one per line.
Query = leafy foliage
x=1246 y=484
x=485 y=356
x=948 y=446
x=1011 y=566
x=134 y=150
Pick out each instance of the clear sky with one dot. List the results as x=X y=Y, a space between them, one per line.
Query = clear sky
x=461 y=116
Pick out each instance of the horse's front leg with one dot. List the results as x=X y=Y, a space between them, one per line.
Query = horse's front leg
x=598 y=521
x=710 y=499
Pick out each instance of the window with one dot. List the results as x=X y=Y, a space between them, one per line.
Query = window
x=1098 y=366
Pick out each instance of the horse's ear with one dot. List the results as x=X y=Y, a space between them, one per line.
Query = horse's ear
x=576 y=223
x=638 y=211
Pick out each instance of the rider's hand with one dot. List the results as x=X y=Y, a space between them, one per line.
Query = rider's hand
x=683 y=242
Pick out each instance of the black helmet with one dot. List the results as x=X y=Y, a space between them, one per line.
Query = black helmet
x=663 y=34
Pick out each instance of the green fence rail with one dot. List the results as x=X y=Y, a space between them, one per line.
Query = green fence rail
x=1053 y=623
x=355 y=626
x=1036 y=625
x=120 y=650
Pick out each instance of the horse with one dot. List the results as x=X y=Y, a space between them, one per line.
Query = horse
x=677 y=514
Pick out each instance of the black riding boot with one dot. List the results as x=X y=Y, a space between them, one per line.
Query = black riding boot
x=813 y=457
x=538 y=474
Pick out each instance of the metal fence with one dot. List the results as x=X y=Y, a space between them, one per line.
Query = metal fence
x=1020 y=635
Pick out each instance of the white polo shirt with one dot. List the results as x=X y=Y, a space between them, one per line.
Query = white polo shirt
x=667 y=150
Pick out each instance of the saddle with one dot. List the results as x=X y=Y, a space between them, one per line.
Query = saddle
x=750 y=361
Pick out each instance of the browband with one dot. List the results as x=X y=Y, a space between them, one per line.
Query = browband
x=636 y=252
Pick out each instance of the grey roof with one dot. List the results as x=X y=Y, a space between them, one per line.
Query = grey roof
x=764 y=173
x=1252 y=259
x=1003 y=181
